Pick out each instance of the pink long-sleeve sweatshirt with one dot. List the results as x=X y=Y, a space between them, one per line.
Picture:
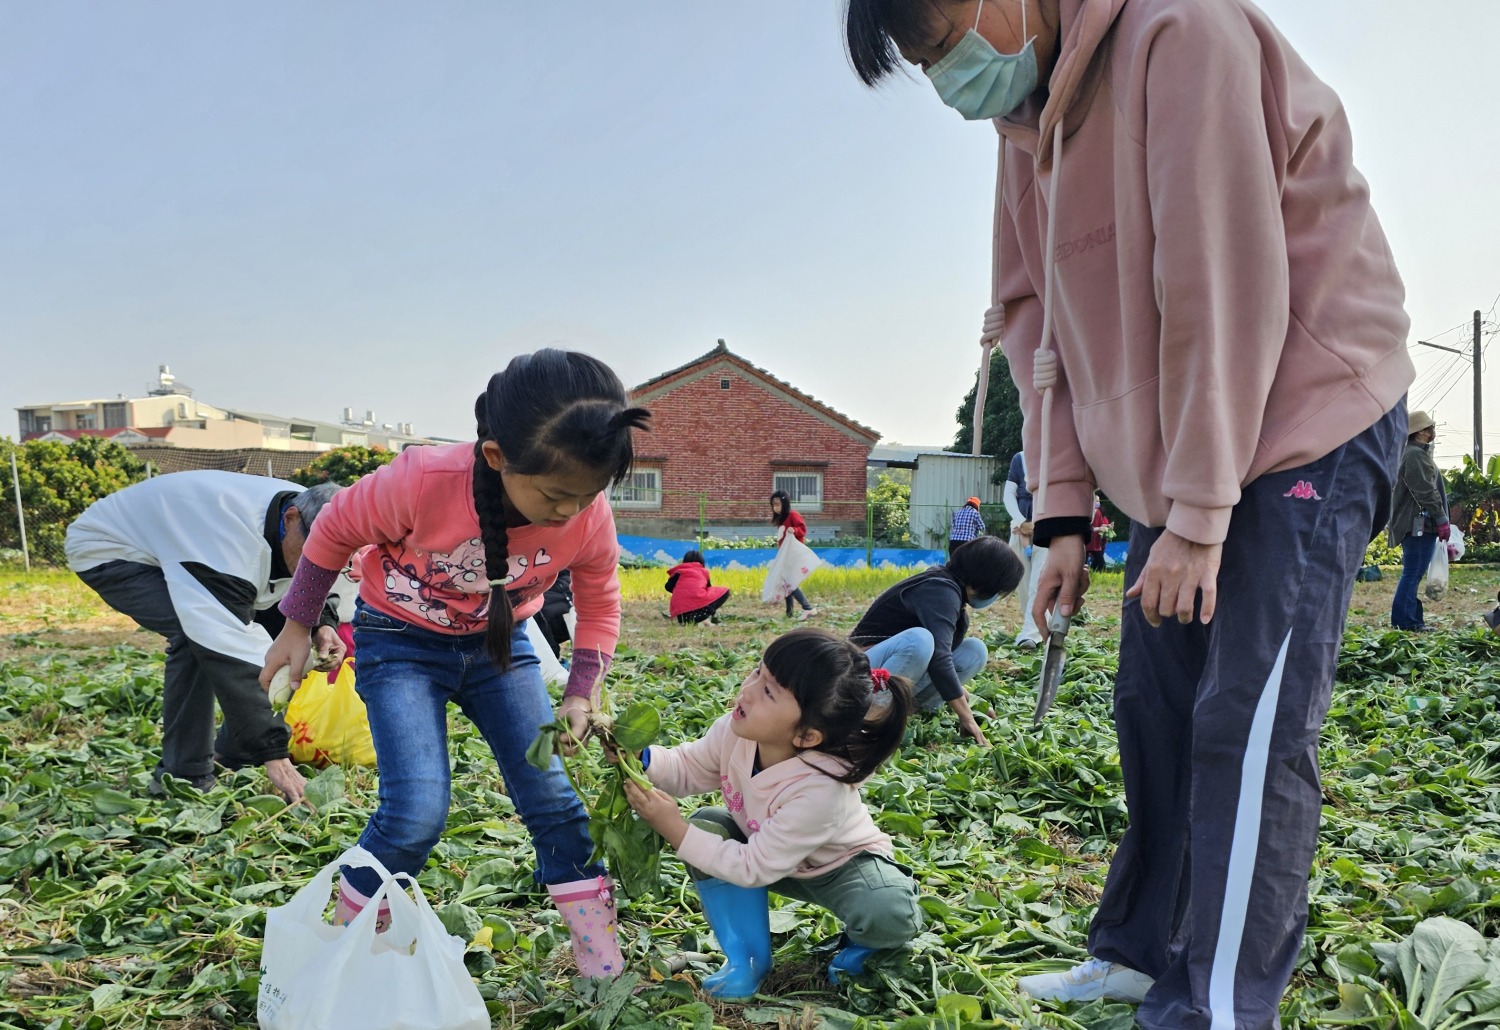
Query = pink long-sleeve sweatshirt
x=427 y=566
x=1225 y=301
x=798 y=821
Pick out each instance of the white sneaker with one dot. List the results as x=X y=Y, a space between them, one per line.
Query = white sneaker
x=1089 y=981
x=1027 y=643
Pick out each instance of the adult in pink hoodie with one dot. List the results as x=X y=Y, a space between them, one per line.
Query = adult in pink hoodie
x=1205 y=323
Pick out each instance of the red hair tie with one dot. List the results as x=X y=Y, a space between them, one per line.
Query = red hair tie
x=880 y=677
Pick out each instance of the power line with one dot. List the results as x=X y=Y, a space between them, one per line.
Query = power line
x=1458 y=379
x=1434 y=381
x=1454 y=374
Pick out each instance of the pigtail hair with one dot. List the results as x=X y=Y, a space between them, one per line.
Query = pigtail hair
x=547 y=411
x=627 y=419
x=489 y=503
x=861 y=716
x=883 y=730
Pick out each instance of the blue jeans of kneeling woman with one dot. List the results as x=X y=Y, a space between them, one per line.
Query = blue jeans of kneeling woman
x=909 y=653
x=1416 y=555
x=407 y=675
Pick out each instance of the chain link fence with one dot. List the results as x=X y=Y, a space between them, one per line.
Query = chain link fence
x=33 y=538
x=23 y=546
x=661 y=526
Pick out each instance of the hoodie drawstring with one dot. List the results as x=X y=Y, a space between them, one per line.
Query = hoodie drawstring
x=1044 y=365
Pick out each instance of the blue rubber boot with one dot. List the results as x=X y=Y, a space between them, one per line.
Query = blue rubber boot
x=850 y=960
x=741 y=919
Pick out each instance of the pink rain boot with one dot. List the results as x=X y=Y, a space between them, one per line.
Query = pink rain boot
x=588 y=907
x=351 y=903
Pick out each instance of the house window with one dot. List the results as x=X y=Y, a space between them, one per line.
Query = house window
x=723 y=384
x=804 y=488
x=41 y=424
x=114 y=416
x=27 y=422
x=84 y=420
x=641 y=488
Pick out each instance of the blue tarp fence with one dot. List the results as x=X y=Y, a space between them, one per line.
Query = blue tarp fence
x=670 y=552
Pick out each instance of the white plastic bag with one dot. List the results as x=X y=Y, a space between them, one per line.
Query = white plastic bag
x=1437 y=573
x=314 y=976
x=793 y=563
x=552 y=669
x=1455 y=544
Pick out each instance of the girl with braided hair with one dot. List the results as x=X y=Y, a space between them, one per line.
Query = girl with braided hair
x=467 y=539
x=810 y=724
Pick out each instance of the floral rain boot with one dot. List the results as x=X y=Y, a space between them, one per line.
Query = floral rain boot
x=351 y=903
x=588 y=907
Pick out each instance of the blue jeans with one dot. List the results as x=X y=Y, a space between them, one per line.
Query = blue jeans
x=909 y=653
x=1416 y=555
x=406 y=676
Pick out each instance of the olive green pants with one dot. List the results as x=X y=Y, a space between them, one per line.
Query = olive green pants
x=872 y=895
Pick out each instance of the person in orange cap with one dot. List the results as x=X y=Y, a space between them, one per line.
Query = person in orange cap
x=967 y=525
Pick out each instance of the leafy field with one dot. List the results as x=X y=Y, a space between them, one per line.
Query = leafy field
x=119 y=910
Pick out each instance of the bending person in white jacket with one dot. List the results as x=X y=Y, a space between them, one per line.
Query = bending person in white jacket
x=202 y=558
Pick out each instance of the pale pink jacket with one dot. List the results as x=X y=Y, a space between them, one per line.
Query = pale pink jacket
x=797 y=820
x=1225 y=302
x=427 y=565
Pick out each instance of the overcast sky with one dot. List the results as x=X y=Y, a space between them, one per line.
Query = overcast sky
x=305 y=206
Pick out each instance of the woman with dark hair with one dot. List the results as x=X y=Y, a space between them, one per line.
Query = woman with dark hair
x=811 y=723
x=1204 y=321
x=468 y=538
x=694 y=598
x=788 y=521
x=919 y=627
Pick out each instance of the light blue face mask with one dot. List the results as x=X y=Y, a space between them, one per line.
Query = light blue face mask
x=978 y=81
x=984 y=602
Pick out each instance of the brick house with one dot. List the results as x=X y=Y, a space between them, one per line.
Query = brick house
x=724 y=435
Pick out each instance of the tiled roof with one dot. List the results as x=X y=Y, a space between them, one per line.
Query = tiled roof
x=155 y=432
x=722 y=352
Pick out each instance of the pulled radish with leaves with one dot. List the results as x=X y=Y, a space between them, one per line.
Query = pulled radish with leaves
x=629 y=847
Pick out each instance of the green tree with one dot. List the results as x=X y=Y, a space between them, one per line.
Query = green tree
x=343 y=465
x=890 y=514
x=58 y=481
x=1001 y=432
x=1474 y=499
x=1001 y=436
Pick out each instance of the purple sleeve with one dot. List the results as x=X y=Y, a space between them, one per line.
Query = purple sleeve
x=304 y=599
x=584 y=672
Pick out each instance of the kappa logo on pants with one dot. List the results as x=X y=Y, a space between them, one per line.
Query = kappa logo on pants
x=1303 y=491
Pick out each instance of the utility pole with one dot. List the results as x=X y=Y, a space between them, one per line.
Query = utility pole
x=1475 y=355
x=1478 y=403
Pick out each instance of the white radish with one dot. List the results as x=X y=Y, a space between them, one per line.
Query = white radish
x=281 y=683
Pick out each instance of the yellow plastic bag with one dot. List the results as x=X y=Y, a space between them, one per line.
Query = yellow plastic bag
x=328 y=721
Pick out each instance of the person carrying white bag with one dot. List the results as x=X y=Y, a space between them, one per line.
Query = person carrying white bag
x=794 y=560
x=1442 y=557
x=314 y=976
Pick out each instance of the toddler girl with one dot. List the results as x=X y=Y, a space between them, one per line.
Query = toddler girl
x=810 y=724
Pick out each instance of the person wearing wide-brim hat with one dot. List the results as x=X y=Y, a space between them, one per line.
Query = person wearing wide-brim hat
x=1419 y=519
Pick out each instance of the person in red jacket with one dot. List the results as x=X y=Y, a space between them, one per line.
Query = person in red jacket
x=787 y=521
x=694 y=598
x=1096 y=538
